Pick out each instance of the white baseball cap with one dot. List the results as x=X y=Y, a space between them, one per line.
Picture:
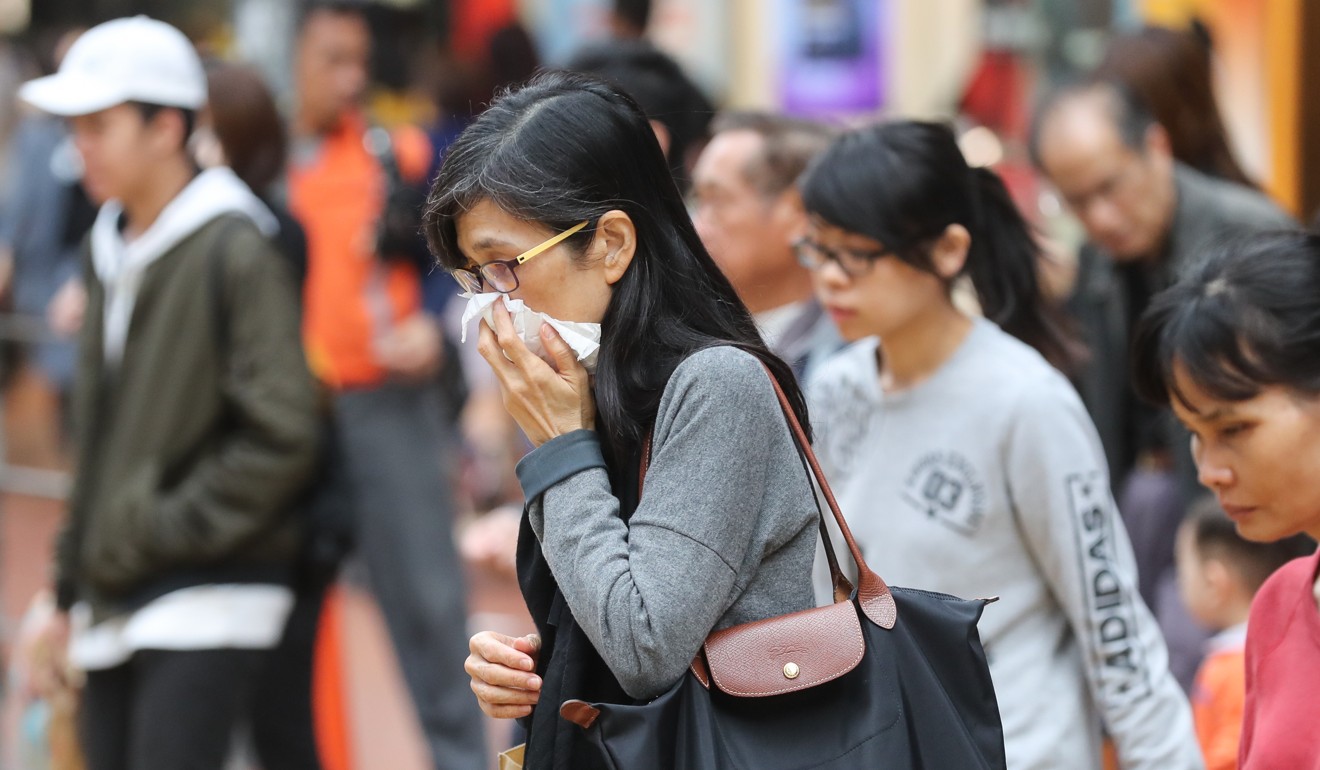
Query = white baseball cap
x=133 y=59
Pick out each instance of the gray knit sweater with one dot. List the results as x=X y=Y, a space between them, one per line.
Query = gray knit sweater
x=724 y=534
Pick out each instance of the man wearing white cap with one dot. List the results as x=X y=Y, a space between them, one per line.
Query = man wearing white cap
x=196 y=416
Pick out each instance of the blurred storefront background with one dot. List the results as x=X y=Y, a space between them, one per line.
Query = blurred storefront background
x=980 y=60
x=978 y=63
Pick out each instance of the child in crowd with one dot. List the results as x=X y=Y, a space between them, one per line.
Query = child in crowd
x=1219 y=573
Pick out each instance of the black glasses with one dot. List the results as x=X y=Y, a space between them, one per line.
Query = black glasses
x=499 y=274
x=854 y=264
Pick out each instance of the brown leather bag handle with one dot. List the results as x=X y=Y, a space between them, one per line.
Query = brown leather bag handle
x=872 y=592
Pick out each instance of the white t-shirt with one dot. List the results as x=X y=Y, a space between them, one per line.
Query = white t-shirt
x=204 y=617
x=988 y=479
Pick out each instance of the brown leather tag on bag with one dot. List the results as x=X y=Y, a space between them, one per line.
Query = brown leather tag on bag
x=786 y=653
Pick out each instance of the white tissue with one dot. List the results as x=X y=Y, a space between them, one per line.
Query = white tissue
x=583 y=338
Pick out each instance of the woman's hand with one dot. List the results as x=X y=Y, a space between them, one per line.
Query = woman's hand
x=502 y=670
x=544 y=402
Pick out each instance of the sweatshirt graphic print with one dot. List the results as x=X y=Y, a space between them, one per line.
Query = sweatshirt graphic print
x=988 y=479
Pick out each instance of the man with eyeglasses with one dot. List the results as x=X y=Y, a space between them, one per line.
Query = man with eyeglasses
x=1147 y=218
x=749 y=216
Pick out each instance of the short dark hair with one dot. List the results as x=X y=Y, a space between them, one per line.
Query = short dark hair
x=788 y=146
x=1128 y=113
x=149 y=111
x=636 y=13
x=309 y=8
x=1247 y=318
x=659 y=85
x=1216 y=537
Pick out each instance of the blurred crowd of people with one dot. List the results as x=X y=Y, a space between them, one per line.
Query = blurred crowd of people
x=261 y=372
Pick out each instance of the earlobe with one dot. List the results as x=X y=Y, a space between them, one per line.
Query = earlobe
x=950 y=253
x=167 y=131
x=618 y=236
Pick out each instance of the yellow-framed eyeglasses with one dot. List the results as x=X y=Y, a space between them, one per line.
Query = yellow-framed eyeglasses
x=500 y=274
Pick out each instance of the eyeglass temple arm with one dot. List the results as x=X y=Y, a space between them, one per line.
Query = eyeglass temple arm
x=532 y=252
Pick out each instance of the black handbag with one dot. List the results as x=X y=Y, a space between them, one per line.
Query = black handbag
x=883 y=678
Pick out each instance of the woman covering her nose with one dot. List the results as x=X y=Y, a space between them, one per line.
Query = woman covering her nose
x=559 y=196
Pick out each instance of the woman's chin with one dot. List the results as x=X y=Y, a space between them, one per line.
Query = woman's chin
x=1260 y=528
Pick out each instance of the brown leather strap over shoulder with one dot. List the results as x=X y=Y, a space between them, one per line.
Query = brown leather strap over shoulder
x=872 y=593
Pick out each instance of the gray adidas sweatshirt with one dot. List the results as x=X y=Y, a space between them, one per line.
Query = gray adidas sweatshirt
x=725 y=532
x=989 y=479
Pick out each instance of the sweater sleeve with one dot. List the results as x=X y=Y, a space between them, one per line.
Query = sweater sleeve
x=647 y=593
x=1059 y=485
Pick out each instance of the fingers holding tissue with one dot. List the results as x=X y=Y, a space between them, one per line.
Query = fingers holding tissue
x=546 y=400
x=582 y=338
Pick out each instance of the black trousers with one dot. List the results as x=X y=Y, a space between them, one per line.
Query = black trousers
x=167 y=710
x=283 y=730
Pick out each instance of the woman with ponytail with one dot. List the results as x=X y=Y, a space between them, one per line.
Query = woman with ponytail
x=963 y=458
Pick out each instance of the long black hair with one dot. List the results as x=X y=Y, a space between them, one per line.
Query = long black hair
x=903 y=184
x=1246 y=319
x=567 y=148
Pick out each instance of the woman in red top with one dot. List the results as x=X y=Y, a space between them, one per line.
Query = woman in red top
x=1234 y=348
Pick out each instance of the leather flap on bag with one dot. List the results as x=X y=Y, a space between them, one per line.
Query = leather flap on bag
x=786 y=653
x=580 y=713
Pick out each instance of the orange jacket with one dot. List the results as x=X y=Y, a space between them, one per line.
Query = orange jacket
x=351 y=298
x=1218 y=697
